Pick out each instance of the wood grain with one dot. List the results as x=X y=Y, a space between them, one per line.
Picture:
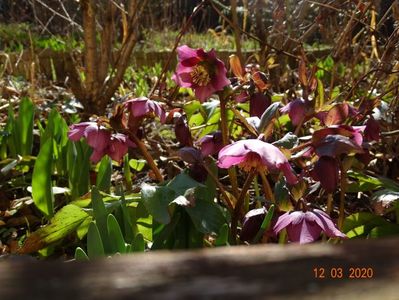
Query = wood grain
x=256 y=272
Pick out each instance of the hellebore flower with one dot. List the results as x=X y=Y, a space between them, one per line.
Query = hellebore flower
x=336 y=140
x=143 y=107
x=337 y=114
x=100 y=140
x=97 y=137
x=326 y=171
x=200 y=71
x=372 y=132
x=306 y=227
x=211 y=143
x=251 y=223
x=298 y=110
x=118 y=146
x=256 y=154
x=190 y=155
x=258 y=104
x=182 y=131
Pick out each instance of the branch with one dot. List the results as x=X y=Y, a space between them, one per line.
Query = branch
x=89 y=26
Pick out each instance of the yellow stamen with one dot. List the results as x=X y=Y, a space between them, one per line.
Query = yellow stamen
x=200 y=75
x=252 y=161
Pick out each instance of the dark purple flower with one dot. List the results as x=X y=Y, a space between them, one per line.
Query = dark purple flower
x=299 y=110
x=326 y=170
x=190 y=155
x=306 y=227
x=251 y=223
x=242 y=97
x=143 y=107
x=182 y=131
x=201 y=71
x=258 y=104
x=336 y=140
x=256 y=154
x=211 y=143
x=372 y=132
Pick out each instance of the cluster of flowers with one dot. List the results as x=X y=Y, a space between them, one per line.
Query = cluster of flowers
x=205 y=74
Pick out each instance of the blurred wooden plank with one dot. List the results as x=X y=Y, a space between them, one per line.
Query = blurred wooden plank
x=256 y=272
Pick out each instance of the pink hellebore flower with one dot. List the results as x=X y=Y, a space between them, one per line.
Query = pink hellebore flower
x=256 y=154
x=201 y=71
x=118 y=146
x=142 y=107
x=211 y=143
x=298 y=110
x=100 y=140
x=97 y=137
x=306 y=227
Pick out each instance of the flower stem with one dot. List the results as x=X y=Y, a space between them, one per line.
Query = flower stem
x=147 y=156
x=342 y=199
x=225 y=139
x=221 y=188
x=266 y=188
x=239 y=203
x=329 y=203
x=299 y=126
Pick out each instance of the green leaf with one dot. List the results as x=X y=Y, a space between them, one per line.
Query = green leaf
x=138 y=243
x=320 y=96
x=137 y=164
x=288 y=141
x=223 y=236
x=156 y=200
x=42 y=192
x=65 y=221
x=191 y=107
x=103 y=182
x=23 y=136
x=181 y=183
x=80 y=254
x=265 y=224
x=361 y=224
x=206 y=214
x=100 y=216
x=115 y=235
x=78 y=166
x=95 y=246
x=383 y=231
x=268 y=116
x=366 y=183
x=81 y=231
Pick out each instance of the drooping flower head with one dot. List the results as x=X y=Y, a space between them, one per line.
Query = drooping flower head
x=306 y=227
x=256 y=154
x=337 y=114
x=101 y=140
x=258 y=104
x=298 y=110
x=143 y=107
x=201 y=71
x=211 y=143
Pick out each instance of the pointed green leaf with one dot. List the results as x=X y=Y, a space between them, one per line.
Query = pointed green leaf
x=115 y=235
x=42 y=192
x=65 y=221
x=95 y=246
x=104 y=174
x=138 y=244
x=80 y=254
